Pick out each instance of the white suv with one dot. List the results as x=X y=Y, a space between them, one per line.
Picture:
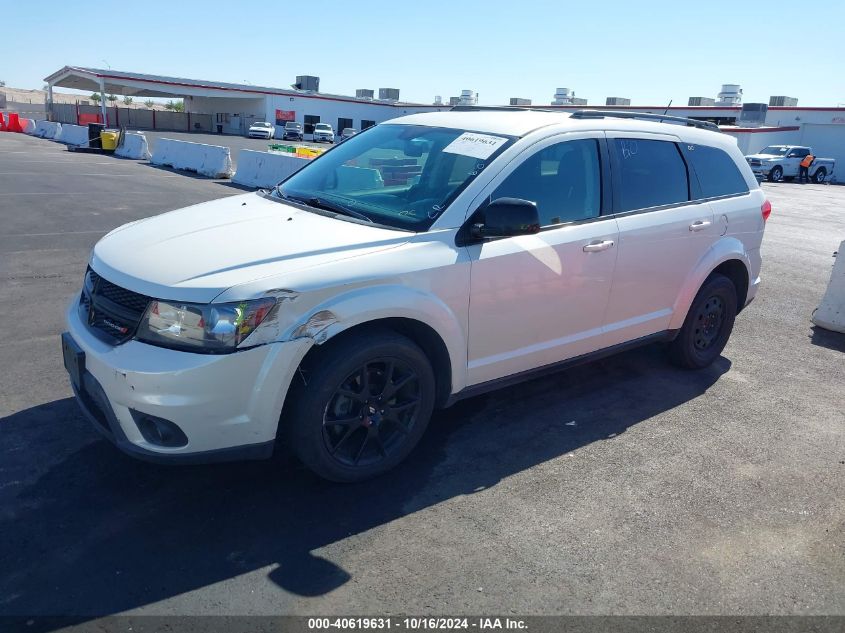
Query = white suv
x=422 y=261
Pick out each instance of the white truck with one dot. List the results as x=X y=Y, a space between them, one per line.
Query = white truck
x=779 y=162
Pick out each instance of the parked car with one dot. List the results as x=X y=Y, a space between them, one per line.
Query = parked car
x=293 y=131
x=334 y=313
x=779 y=162
x=348 y=132
x=323 y=132
x=261 y=129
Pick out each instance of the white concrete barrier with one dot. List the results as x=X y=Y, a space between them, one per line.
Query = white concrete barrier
x=213 y=161
x=134 y=145
x=73 y=135
x=48 y=129
x=28 y=126
x=265 y=169
x=831 y=311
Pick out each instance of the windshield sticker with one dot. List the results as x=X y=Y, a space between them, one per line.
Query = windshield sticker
x=475 y=145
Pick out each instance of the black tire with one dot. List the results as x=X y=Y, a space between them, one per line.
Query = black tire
x=776 y=175
x=708 y=325
x=820 y=175
x=378 y=420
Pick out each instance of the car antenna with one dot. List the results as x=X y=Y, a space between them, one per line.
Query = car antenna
x=669 y=105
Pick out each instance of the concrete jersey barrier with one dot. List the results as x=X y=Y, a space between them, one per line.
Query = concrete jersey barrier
x=73 y=135
x=48 y=129
x=213 y=161
x=265 y=169
x=28 y=126
x=831 y=311
x=134 y=146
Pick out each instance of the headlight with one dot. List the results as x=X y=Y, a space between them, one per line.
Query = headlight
x=204 y=328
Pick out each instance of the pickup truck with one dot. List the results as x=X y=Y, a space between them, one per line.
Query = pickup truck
x=779 y=162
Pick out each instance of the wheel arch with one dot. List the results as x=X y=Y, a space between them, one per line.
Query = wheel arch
x=424 y=318
x=425 y=337
x=726 y=257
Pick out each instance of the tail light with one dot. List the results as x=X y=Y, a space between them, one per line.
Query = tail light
x=766 y=210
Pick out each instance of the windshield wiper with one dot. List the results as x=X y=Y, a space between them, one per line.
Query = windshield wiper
x=326 y=205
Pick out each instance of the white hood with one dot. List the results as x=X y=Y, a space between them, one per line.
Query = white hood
x=196 y=253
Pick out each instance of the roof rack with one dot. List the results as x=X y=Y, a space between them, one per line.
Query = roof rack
x=481 y=108
x=600 y=114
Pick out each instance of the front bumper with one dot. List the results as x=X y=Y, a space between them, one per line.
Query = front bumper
x=227 y=405
x=266 y=135
x=321 y=137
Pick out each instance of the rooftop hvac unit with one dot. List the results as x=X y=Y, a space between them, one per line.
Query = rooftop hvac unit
x=307 y=82
x=563 y=96
x=731 y=95
x=701 y=101
x=753 y=114
x=617 y=101
x=467 y=98
x=388 y=94
x=518 y=101
x=363 y=93
x=453 y=101
x=789 y=102
x=438 y=100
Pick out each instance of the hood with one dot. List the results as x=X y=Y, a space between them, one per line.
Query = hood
x=764 y=156
x=196 y=253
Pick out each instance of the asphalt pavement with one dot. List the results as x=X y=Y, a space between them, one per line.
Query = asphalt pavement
x=626 y=486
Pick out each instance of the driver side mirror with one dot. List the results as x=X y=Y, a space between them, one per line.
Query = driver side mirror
x=506 y=217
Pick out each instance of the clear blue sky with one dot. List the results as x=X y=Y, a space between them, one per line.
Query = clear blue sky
x=650 y=52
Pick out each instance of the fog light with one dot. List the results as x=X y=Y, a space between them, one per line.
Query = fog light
x=159 y=431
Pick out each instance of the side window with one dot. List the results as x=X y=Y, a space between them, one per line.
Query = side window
x=563 y=179
x=799 y=153
x=717 y=173
x=651 y=173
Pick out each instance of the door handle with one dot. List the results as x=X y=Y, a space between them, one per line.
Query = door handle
x=698 y=225
x=598 y=245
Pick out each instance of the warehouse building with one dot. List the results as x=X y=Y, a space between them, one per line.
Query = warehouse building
x=226 y=108
x=756 y=125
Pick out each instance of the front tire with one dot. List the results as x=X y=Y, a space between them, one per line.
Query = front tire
x=776 y=174
x=366 y=404
x=708 y=325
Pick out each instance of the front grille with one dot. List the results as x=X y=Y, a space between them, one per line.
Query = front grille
x=111 y=312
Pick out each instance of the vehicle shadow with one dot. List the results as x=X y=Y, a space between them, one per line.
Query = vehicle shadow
x=98 y=533
x=827 y=338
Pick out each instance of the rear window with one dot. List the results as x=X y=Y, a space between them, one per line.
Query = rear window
x=651 y=173
x=717 y=173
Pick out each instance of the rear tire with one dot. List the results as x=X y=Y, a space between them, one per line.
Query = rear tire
x=708 y=325
x=367 y=403
x=820 y=175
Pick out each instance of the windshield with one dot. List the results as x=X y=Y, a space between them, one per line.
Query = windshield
x=403 y=176
x=322 y=126
x=291 y=124
x=260 y=125
x=774 y=150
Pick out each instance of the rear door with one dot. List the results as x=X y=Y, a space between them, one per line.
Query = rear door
x=663 y=234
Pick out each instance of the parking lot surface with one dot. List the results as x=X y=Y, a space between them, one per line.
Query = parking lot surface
x=625 y=486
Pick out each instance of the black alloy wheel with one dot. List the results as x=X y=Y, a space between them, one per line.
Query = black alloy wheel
x=372 y=412
x=359 y=405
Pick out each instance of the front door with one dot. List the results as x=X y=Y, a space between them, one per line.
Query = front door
x=539 y=299
x=663 y=234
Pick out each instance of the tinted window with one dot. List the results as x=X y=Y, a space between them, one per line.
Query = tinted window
x=563 y=179
x=717 y=173
x=799 y=153
x=651 y=173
